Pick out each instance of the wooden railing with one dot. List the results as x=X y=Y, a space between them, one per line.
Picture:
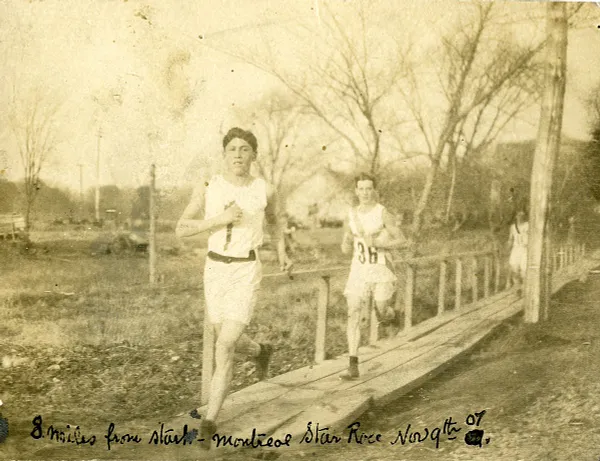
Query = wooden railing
x=467 y=281
x=11 y=225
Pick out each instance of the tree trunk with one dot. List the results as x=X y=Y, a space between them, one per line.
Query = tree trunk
x=546 y=152
x=452 y=184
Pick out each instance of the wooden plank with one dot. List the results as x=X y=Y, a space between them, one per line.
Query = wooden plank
x=322 y=304
x=442 y=287
x=397 y=357
x=474 y=280
x=388 y=386
x=458 y=289
x=496 y=272
x=327 y=413
x=486 y=276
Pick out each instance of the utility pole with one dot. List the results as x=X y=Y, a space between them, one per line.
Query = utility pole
x=152 y=236
x=546 y=152
x=97 y=201
x=80 y=192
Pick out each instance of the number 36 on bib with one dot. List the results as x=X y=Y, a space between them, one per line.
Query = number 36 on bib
x=367 y=255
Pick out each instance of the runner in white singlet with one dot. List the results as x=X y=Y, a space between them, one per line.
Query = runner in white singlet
x=232 y=207
x=517 y=242
x=370 y=231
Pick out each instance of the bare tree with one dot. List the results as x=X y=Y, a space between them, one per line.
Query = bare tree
x=33 y=125
x=287 y=156
x=482 y=125
x=342 y=85
x=483 y=86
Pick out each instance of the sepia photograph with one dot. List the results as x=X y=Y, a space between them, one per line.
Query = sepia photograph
x=306 y=229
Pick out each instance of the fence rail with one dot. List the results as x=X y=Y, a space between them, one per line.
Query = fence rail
x=11 y=224
x=466 y=267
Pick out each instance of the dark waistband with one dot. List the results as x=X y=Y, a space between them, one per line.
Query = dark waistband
x=231 y=259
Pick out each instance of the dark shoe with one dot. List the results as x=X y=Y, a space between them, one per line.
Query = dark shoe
x=207 y=430
x=262 y=361
x=350 y=374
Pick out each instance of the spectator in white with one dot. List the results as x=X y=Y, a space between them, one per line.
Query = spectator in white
x=517 y=243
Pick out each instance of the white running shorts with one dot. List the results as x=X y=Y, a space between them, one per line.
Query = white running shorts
x=231 y=289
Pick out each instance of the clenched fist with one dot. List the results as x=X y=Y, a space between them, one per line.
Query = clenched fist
x=233 y=214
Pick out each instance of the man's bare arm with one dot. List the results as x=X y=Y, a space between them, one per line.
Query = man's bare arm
x=397 y=238
x=347 y=239
x=192 y=220
x=276 y=227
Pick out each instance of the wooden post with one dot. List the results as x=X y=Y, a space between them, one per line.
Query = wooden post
x=97 y=194
x=458 y=294
x=546 y=152
x=562 y=256
x=486 y=276
x=474 y=279
x=408 y=296
x=442 y=287
x=571 y=254
x=496 y=272
x=547 y=287
x=152 y=236
x=208 y=357
x=322 y=304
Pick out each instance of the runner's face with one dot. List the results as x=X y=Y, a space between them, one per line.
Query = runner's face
x=239 y=156
x=365 y=192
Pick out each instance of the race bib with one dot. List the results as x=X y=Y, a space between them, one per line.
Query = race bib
x=365 y=254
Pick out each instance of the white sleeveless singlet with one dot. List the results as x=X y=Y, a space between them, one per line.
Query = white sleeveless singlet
x=239 y=239
x=374 y=263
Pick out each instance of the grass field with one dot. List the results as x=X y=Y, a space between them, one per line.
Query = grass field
x=87 y=337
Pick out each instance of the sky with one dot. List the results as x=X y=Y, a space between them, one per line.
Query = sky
x=141 y=81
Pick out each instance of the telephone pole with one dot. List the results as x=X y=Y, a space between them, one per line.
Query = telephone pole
x=81 y=191
x=97 y=201
x=152 y=239
x=546 y=152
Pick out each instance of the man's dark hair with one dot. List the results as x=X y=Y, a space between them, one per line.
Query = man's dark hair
x=364 y=177
x=247 y=136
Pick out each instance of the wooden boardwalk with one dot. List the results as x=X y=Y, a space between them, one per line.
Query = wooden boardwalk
x=285 y=404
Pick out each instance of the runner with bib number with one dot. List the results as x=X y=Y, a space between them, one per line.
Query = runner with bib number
x=371 y=232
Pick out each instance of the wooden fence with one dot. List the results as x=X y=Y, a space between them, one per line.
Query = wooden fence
x=477 y=275
x=11 y=225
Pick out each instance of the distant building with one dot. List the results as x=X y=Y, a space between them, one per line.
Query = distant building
x=332 y=192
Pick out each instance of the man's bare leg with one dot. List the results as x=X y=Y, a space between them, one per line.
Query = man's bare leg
x=387 y=315
x=243 y=344
x=353 y=335
x=228 y=334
